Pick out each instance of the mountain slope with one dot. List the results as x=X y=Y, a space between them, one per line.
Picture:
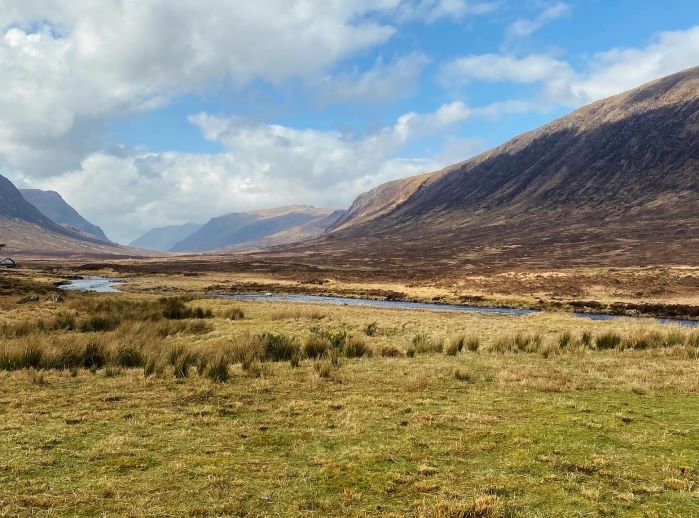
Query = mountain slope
x=53 y=206
x=616 y=182
x=28 y=232
x=163 y=239
x=253 y=229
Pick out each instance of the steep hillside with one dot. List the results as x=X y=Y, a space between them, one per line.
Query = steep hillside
x=28 y=232
x=53 y=206
x=255 y=229
x=616 y=182
x=163 y=239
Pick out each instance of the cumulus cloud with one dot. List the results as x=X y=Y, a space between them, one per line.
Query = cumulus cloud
x=524 y=27
x=606 y=73
x=263 y=165
x=65 y=76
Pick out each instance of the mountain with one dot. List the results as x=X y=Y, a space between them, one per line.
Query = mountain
x=256 y=229
x=615 y=182
x=163 y=239
x=28 y=232
x=53 y=206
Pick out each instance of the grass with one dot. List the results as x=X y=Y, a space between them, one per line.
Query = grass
x=260 y=416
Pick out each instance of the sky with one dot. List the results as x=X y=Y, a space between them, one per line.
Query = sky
x=144 y=113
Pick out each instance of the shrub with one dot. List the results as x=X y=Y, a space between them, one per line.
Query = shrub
x=356 y=347
x=128 y=356
x=608 y=340
x=371 y=329
x=316 y=346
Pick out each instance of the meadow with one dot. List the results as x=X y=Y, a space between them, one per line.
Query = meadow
x=144 y=405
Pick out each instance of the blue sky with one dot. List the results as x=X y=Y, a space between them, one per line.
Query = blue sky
x=152 y=113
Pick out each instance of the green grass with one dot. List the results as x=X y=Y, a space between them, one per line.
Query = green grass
x=363 y=440
x=308 y=415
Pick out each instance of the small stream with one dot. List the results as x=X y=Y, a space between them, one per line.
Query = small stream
x=106 y=285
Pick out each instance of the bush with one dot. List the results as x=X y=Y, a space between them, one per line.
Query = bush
x=356 y=347
x=608 y=340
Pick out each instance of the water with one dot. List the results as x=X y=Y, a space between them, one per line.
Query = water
x=98 y=284
x=106 y=285
x=346 y=301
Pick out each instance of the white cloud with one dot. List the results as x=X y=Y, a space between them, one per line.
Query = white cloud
x=430 y=11
x=263 y=165
x=382 y=82
x=92 y=61
x=606 y=73
x=524 y=27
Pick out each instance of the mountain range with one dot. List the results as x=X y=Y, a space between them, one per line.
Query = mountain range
x=52 y=205
x=615 y=182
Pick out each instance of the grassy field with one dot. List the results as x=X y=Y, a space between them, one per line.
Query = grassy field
x=137 y=405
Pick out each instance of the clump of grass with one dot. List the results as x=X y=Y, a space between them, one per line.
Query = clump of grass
x=462 y=375
x=519 y=342
x=371 y=329
x=485 y=506
x=297 y=314
x=423 y=343
x=355 y=347
x=233 y=314
x=325 y=367
x=456 y=345
x=390 y=351
x=565 y=339
x=217 y=369
x=279 y=347
x=336 y=339
x=174 y=308
x=473 y=343
x=316 y=346
x=98 y=324
x=608 y=340
x=128 y=356
x=586 y=339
